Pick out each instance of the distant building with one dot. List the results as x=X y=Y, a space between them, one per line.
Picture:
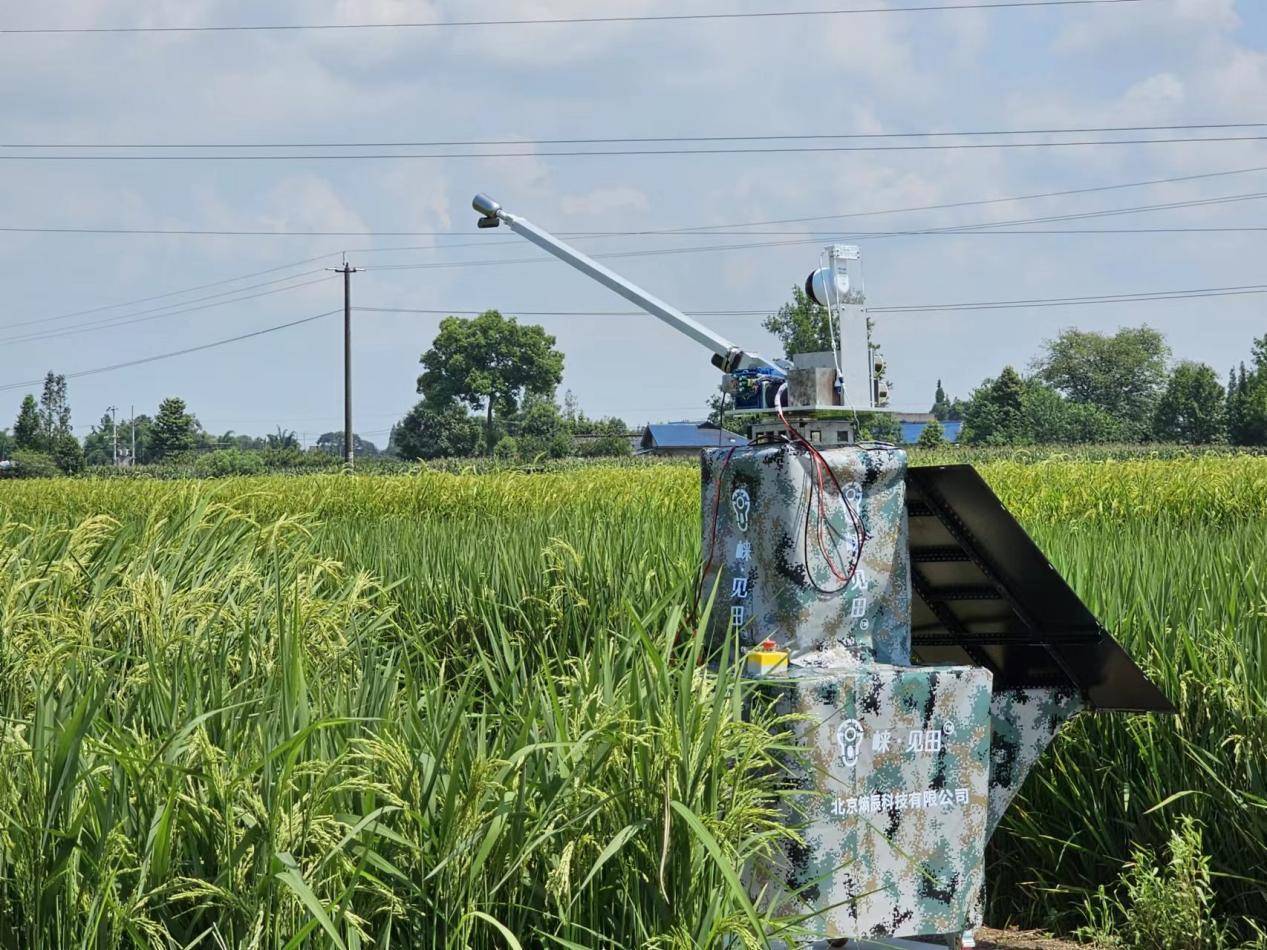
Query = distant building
x=685 y=438
x=913 y=423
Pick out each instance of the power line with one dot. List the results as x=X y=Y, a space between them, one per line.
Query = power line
x=160 y=313
x=542 y=21
x=7 y=387
x=610 y=140
x=705 y=229
x=1086 y=300
x=616 y=153
x=1146 y=296
x=947 y=232
x=178 y=293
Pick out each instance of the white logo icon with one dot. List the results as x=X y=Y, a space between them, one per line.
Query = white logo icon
x=849 y=739
x=741 y=504
x=853 y=494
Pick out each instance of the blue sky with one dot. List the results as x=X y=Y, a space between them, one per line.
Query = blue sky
x=1156 y=62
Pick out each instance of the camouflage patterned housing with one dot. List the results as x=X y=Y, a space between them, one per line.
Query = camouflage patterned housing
x=907 y=769
x=894 y=815
x=1023 y=723
x=764 y=538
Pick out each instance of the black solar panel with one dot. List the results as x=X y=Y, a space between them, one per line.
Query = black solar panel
x=983 y=593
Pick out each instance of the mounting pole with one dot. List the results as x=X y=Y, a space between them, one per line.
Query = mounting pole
x=347 y=271
x=114 y=435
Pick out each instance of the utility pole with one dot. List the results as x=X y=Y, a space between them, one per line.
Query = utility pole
x=132 y=420
x=347 y=271
x=114 y=434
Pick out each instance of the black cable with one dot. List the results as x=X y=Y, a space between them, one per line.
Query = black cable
x=1145 y=295
x=177 y=293
x=450 y=143
x=649 y=18
x=7 y=387
x=658 y=252
x=160 y=313
x=700 y=229
x=597 y=153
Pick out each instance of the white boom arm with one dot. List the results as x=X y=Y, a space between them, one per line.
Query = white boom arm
x=726 y=355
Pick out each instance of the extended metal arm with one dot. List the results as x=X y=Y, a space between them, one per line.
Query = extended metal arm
x=726 y=356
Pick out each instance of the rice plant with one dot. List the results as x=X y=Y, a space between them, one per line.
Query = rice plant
x=464 y=708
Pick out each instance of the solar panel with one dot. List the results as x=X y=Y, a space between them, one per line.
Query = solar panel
x=983 y=593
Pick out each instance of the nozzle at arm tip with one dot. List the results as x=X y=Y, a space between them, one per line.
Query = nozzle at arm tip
x=485 y=205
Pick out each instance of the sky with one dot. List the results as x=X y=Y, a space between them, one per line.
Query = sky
x=76 y=302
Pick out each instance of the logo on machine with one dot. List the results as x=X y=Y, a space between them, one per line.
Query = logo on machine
x=741 y=505
x=849 y=739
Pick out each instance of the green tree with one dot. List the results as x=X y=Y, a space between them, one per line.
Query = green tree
x=67 y=453
x=941 y=405
x=994 y=414
x=142 y=427
x=1192 y=408
x=879 y=427
x=541 y=429
x=99 y=443
x=54 y=408
x=431 y=432
x=1247 y=400
x=332 y=442
x=609 y=436
x=802 y=326
x=174 y=429
x=29 y=464
x=284 y=440
x=490 y=362
x=6 y=443
x=1122 y=374
x=26 y=430
x=932 y=437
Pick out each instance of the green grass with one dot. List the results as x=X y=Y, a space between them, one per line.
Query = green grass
x=437 y=709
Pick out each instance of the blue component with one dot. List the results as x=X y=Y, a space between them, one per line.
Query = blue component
x=756 y=388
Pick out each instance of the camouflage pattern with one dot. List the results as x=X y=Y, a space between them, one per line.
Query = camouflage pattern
x=905 y=770
x=764 y=535
x=1022 y=723
x=894 y=771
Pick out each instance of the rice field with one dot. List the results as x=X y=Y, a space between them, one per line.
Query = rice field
x=464 y=710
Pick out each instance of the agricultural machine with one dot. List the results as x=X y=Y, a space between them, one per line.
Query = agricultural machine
x=930 y=649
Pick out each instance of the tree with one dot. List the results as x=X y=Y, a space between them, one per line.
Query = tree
x=802 y=326
x=541 y=430
x=994 y=413
x=609 y=436
x=941 y=405
x=332 y=442
x=933 y=436
x=284 y=440
x=174 y=429
x=1192 y=408
x=879 y=427
x=6 y=443
x=26 y=430
x=142 y=427
x=430 y=432
x=1247 y=401
x=67 y=453
x=1010 y=410
x=1122 y=374
x=99 y=443
x=54 y=408
x=490 y=362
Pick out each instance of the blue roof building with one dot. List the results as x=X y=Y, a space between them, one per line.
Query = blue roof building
x=685 y=438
